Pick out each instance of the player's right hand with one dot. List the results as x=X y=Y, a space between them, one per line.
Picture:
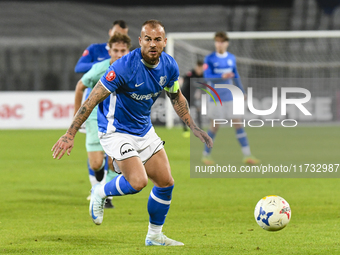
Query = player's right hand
x=64 y=144
x=228 y=75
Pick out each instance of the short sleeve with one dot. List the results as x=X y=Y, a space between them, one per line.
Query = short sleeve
x=173 y=85
x=87 y=79
x=115 y=75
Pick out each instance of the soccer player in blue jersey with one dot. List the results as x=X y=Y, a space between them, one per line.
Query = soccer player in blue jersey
x=220 y=68
x=126 y=94
x=96 y=53
x=119 y=45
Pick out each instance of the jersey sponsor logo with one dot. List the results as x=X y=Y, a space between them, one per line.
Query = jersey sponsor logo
x=145 y=97
x=162 y=80
x=85 y=53
x=223 y=70
x=110 y=76
x=140 y=84
x=126 y=148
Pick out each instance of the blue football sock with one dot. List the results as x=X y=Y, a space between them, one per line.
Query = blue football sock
x=241 y=136
x=91 y=171
x=92 y=175
x=106 y=166
x=159 y=204
x=207 y=150
x=119 y=186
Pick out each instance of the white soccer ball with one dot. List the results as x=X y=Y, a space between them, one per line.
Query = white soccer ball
x=272 y=213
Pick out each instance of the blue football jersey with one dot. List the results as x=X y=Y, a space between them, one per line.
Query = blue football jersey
x=214 y=66
x=135 y=85
x=93 y=54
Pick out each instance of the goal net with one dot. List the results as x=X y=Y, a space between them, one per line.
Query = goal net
x=309 y=59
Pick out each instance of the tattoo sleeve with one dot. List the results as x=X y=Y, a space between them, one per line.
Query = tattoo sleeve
x=97 y=95
x=181 y=107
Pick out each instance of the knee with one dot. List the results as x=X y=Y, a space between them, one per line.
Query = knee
x=166 y=183
x=171 y=181
x=237 y=126
x=138 y=182
x=96 y=164
x=214 y=129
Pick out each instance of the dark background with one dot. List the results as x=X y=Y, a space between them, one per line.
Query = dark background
x=41 y=41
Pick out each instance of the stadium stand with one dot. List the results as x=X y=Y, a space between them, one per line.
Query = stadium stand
x=41 y=42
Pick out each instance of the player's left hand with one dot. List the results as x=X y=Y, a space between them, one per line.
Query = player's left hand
x=228 y=75
x=64 y=144
x=203 y=136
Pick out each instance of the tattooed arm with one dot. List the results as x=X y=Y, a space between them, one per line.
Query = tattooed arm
x=181 y=107
x=65 y=143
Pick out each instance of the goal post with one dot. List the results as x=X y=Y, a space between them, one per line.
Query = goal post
x=261 y=55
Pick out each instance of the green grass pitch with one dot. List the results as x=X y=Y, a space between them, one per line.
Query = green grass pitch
x=43 y=208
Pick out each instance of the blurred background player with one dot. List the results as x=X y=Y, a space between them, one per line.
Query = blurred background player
x=119 y=46
x=98 y=52
x=93 y=54
x=190 y=92
x=220 y=67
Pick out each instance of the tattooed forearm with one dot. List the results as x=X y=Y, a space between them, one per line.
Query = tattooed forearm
x=181 y=107
x=98 y=94
x=80 y=117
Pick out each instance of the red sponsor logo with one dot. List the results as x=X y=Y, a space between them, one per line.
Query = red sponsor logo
x=85 y=53
x=58 y=111
x=111 y=76
x=8 y=111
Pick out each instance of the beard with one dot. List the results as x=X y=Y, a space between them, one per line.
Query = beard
x=151 y=58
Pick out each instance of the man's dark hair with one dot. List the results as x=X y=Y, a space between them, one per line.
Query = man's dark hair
x=222 y=35
x=117 y=37
x=120 y=23
x=200 y=62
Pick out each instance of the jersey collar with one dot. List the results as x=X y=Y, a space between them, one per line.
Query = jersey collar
x=148 y=65
x=224 y=55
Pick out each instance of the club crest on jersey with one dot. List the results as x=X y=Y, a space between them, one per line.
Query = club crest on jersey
x=110 y=76
x=85 y=53
x=162 y=80
x=230 y=62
